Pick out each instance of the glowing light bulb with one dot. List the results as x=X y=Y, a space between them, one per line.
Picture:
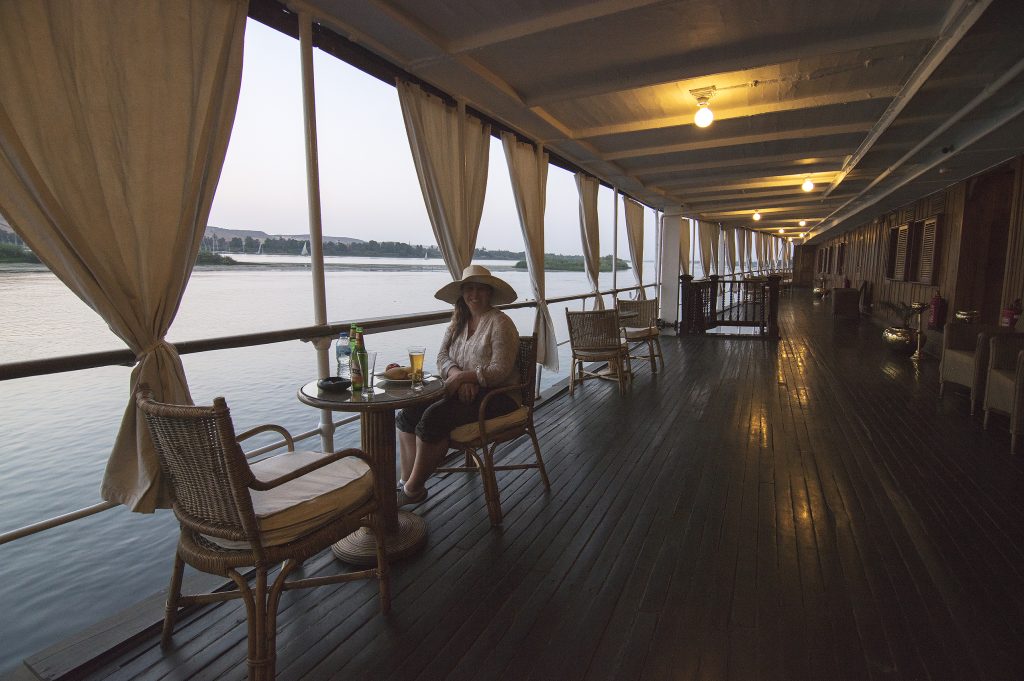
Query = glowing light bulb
x=781 y=230
x=807 y=185
x=704 y=116
x=803 y=234
x=803 y=223
x=757 y=216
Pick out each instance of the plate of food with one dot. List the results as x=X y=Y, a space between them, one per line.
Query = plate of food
x=396 y=374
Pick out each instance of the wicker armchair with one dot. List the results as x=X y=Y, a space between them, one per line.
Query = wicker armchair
x=964 y=361
x=643 y=328
x=594 y=337
x=1004 y=387
x=479 y=441
x=232 y=519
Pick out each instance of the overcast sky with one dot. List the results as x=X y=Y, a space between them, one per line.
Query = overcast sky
x=368 y=183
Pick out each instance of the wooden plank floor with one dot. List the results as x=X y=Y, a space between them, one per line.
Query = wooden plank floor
x=802 y=510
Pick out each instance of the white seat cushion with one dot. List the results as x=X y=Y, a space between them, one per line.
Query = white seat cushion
x=471 y=431
x=299 y=506
x=638 y=334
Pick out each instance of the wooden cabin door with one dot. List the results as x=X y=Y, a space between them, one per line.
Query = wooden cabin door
x=982 y=262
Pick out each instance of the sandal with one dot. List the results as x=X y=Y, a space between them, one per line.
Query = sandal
x=406 y=499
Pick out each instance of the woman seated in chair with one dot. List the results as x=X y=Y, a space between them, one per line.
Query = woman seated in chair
x=478 y=354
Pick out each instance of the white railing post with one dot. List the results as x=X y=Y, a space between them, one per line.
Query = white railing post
x=316 y=237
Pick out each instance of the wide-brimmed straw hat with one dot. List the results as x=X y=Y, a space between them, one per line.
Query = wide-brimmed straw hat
x=477 y=274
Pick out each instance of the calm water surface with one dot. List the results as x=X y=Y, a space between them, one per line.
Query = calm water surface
x=57 y=430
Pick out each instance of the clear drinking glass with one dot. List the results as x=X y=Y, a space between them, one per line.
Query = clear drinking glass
x=416 y=353
x=367 y=362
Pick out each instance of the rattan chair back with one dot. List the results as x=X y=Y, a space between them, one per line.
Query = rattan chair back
x=526 y=362
x=206 y=471
x=594 y=330
x=646 y=313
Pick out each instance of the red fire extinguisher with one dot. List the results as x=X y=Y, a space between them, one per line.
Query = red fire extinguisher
x=1008 y=316
x=937 y=313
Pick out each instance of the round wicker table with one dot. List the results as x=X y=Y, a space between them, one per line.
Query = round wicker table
x=406 y=532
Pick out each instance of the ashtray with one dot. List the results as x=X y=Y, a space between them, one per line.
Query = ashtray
x=334 y=384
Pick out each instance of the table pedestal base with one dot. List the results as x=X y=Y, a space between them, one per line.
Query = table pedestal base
x=359 y=548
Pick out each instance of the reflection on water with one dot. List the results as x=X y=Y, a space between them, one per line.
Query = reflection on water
x=57 y=430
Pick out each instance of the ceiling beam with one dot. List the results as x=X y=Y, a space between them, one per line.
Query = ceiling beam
x=548 y=22
x=977 y=101
x=959 y=144
x=820 y=172
x=720 y=60
x=795 y=104
x=737 y=195
x=794 y=158
x=714 y=143
x=753 y=203
x=746 y=182
x=961 y=17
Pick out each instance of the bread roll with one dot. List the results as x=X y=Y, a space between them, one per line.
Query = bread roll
x=398 y=373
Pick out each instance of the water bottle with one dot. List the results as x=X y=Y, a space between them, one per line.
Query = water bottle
x=344 y=353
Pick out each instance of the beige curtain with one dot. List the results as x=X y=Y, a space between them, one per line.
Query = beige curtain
x=685 y=227
x=635 y=236
x=708 y=239
x=746 y=261
x=587 y=187
x=528 y=168
x=450 y=151
x=729 y=237
x=114 y=123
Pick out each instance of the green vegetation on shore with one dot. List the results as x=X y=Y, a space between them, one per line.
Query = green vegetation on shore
x=371 y=249
x=574 y=263
x=214 y=259
x=14 y=253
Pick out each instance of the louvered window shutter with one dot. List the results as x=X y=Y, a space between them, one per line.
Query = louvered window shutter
x=929 y=250
x=902 y=242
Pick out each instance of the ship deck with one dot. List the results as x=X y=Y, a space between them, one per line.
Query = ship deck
x=802 y=510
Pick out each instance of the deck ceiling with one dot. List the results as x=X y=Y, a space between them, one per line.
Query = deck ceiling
x=841 y=91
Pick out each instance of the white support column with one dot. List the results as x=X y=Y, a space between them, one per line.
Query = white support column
x=615 y=247
x=657 y=246
x=668 y=293
x=316 y=238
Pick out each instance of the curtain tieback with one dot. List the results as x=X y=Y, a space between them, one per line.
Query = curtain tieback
x=150 y=349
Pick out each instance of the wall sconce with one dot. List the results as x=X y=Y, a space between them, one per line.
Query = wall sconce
x=807 y=185
x=704 y=115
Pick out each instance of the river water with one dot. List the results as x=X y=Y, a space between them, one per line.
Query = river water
x=57 y=430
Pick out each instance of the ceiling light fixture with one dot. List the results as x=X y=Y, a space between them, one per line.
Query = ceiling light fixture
x=803 y=223
x=757 y=216
x=803 y=234
x=781 y=230
x=807 y=185
x=704 y=114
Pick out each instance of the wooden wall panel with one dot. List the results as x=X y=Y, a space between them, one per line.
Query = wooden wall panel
x=867 y=248
x=1013 y=282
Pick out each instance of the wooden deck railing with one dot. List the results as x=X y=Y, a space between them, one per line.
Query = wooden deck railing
x=745 y=301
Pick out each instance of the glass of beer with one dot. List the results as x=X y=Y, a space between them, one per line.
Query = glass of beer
x=416 y=353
